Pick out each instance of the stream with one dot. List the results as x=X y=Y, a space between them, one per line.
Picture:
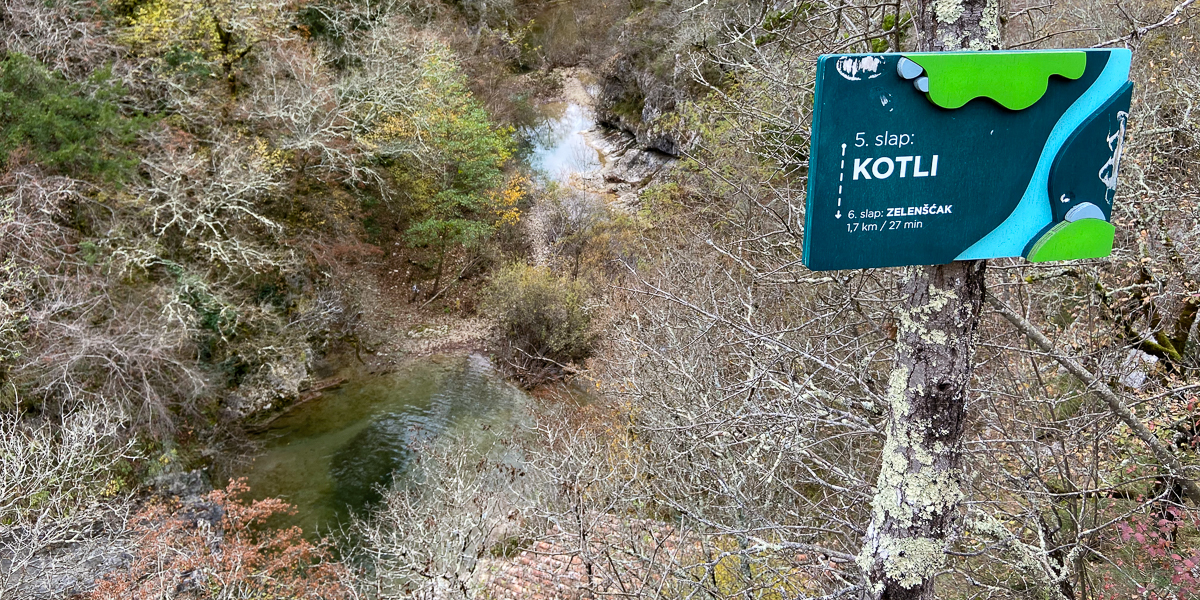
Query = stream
x=558 y=145
x=331 y=456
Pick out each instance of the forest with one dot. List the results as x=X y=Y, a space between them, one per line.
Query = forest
x=567 y=238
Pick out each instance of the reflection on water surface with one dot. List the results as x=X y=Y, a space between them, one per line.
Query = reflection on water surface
x=559 y=147
x=328 y=456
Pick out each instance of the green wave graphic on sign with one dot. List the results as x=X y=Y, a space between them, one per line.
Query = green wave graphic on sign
x=1015 y=80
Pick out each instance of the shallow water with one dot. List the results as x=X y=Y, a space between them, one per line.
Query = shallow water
x=329 y=457
x=558 y=145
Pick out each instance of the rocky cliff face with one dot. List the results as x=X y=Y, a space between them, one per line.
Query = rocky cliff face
x=639 y=100
x=628 y=168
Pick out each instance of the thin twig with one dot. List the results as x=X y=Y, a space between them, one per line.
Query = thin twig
x=1115 y=404
x=1140 y=31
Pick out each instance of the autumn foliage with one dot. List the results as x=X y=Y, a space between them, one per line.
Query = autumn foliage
x=1164 y=567
x=231 y=554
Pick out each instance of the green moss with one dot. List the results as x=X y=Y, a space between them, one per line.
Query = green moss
x=630 y=106
x=888 y=25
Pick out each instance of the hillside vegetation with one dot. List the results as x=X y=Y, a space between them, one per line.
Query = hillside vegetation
x=194 y=195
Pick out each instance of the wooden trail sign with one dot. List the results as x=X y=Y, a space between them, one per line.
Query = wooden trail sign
x=928 y=158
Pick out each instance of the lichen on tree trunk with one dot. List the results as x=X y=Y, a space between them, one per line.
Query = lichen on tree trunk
x=959 y=25
x=919 y=488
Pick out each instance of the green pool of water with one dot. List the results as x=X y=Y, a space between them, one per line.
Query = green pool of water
x=329 y=457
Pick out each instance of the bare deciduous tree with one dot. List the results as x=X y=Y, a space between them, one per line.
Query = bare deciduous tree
x=65 y=36
x=62 y=504
x=435 y=529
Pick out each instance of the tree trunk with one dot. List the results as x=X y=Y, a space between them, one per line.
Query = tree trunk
x=948 y=25
x=919 y=488
x=437 y=279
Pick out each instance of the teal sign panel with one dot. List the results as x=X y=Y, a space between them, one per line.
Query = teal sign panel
x=928 y=158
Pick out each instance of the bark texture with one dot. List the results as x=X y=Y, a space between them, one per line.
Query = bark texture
x=920 y=479
x=920 y=487
x=959 y=24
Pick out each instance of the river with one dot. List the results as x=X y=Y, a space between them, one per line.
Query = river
x=331 y=456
